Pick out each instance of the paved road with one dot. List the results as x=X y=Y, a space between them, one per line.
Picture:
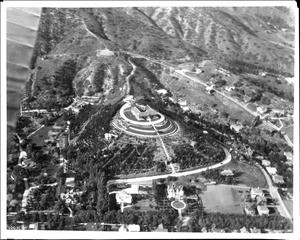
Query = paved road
x=180 y=174
x=274 y=193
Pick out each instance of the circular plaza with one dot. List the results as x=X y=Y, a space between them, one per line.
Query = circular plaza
x=143 y=121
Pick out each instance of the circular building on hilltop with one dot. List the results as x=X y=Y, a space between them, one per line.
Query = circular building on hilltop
x=143 y=121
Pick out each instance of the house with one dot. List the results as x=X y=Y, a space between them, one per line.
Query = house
x=236 y=127
x=209 y=89
x=256 y=192
x=277 y=179
x=244 y=230
x=23 y=155
x=109 y=136
x=28 y=163
x=134 y=189
x=229 y=88
x=271 y=170
x=70 y=182
x=63 y=141
x=172 y=100
x=289 y=156
x=262 y=109
x=262 y=210
x=277 y=112
x=227 y=172
x=133 y=228
x=266 y=163
x=59 y=126
x=261 y=200
x=263 y=74
x=162 y=91
x=93 y=226
x=160 y=228
x=122 y=228
x=246 y=99
x=290 y=80
x=182 y=103
x=128 y=99
x=224 y=71
x=255 y=230
x=249 y=210
x=185 y=108
x=123 y=197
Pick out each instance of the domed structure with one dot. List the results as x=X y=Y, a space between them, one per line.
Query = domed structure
x=143 y=121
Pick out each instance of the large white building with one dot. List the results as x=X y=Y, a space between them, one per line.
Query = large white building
x=271 y=170
x=256 y=192
x=262 y=210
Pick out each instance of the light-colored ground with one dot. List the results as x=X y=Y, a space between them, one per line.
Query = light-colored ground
x=223 y=199
x=289 y=206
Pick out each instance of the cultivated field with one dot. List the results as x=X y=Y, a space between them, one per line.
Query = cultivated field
x=223 y=199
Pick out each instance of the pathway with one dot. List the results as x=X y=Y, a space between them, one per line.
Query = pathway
x=164 y=147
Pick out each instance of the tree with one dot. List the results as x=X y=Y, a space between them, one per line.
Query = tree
x=103 y=197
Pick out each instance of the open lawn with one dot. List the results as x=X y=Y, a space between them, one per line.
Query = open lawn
x=289 y=131
x=144 y=205
x=248 y=175
x=223 y=199
x=41 y=135
x=289 y=206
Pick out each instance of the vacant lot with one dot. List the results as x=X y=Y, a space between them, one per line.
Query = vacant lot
x=248 y=175
x=223 y=199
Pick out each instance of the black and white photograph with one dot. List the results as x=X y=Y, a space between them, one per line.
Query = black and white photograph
x=141 y=119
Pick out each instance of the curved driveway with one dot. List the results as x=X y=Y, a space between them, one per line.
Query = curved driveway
x=180 y=174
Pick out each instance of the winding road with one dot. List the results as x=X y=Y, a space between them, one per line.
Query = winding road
x=181 y=72
x=178 y=174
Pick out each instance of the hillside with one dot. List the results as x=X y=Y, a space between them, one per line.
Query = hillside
x=243 y=33
x=231 y=37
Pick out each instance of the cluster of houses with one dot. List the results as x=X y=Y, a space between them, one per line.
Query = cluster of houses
x=242 y=230
x=182 y=102
x=272 y=171
x=257 y=195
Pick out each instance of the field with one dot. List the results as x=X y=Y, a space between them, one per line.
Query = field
x=223 y=199
x=248 y=175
